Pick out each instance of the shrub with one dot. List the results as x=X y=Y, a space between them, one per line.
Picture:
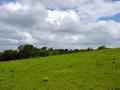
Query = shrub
x=101 y=47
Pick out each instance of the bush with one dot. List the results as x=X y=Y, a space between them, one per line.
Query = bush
x=9 y=55
x=101 y=47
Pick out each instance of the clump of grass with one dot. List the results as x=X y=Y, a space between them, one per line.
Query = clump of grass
x=1 y=79
x=99 y=64
x=106 y=73
x=2 y=70
x=81 y=86
x=42 y=71
x=112 y=68
x=91 y=89
x=45 y=79
x=113 y=58
x=11 y=70
x=113 y=62
x=115 y=88
x=70 y=66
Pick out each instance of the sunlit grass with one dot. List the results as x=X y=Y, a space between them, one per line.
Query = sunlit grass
x=94 y=70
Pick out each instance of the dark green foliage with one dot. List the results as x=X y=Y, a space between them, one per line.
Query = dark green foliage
x=29 y=51
x=43 y=53
x=9 y=55
x=44 y=49
x=101 y=47
x=0 y=56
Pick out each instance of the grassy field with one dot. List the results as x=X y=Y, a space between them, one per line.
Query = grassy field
x=94 y=70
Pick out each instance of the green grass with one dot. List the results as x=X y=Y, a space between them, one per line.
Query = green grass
x=94 y=70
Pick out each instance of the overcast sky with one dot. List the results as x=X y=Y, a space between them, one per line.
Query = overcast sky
x=59 y=23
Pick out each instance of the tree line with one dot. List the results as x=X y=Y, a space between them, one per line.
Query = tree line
x=30 y=51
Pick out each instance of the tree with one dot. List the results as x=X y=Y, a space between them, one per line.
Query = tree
x=9 y=55
x=0 y=56
x=44 y=51
x=89 y=49
x=26 y=51
x=101 y=47
x=44 y=48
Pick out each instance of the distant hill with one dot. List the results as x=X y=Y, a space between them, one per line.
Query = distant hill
x=93 y=70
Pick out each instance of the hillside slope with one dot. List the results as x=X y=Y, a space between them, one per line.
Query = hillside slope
x=94 y=70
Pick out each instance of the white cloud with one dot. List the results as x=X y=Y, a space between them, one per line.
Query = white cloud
x=63 y=21
x=22 y=15
x=13 y=6
x=59 y=23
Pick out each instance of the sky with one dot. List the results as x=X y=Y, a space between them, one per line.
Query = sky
x=59 y=23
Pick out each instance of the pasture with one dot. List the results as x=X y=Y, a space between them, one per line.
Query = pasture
x=93 y=70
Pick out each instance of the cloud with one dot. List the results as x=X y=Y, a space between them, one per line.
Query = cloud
x=62 y=21
x=20 y=15
x=59 y=23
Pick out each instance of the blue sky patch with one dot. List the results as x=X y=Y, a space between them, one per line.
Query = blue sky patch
x=115 y=18
x=115 y=0
x=6 y=1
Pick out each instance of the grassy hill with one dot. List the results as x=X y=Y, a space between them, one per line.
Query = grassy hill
x=94 y=70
